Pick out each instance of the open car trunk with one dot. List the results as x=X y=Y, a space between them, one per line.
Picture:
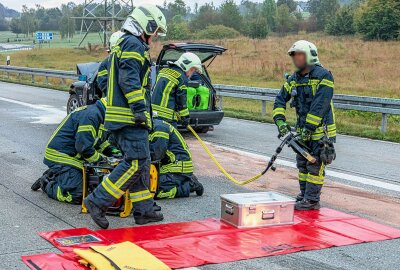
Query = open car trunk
x=201 y=93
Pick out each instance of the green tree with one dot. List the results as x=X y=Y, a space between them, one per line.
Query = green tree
x=230 y=15
x=207 y=15
x=29 y=24
x=67 y=24
x=15 y=26
x=342 y=23
x=178 y=7
x=285 y=20
x=269 y=11
x=291 y=4
x=379 y=19
x=256 y=27
x=178 y=29
x=322 y=11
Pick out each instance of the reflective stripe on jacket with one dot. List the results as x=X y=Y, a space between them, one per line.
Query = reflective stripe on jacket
x=169 y=97
x=128 y=72
x=313 y=102
x=78 y=137
x=168 y=146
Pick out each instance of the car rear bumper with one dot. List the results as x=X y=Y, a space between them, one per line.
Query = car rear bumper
x=205 y=118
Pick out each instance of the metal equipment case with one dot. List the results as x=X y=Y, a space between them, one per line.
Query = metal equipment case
x=259 y=209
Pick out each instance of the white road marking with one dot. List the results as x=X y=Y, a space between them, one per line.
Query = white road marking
x=344 y=176
x=51 y=115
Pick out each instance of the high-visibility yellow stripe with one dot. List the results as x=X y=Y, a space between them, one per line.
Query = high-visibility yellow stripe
x=62 y=198
x=166 y=93
x=110 y=87
x=313 y=119
x=171 y=156
x=88 y=128
x=159 y=134
x=318 y=180
x=133 y=55
x=140 y=195
x=164 y=112
x=93 y=158
x=103 y=146
x=111 y=188
x=303 y=176
x=102 y=73
x=128 y=174
x=183 y=142
x=178 y=167
x=327 y=83
x=287 y=87
x=184 y=112
x=58 y=128
x=278 y=111
x=58 y=157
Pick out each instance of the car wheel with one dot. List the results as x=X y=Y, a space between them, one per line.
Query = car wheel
x=73 y=103
x=202 y=130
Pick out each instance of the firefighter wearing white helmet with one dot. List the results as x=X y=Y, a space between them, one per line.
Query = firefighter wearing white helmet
x=310 y=91
x=102 y=73
x=169 y=97
x=128 y=118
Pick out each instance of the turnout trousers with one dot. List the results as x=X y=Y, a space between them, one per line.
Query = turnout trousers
x=66 y=186
x=311 y=175
x=132 y=173
x=174 y=185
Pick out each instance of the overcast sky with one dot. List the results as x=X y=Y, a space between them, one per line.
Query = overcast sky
x=17 y=4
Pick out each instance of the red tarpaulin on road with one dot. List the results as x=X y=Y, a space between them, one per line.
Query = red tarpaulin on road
x=194 y=243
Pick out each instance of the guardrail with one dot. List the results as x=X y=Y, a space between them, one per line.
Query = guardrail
x=41 y=72
x=385 y=106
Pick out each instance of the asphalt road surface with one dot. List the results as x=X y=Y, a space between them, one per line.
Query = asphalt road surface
x=28 y=115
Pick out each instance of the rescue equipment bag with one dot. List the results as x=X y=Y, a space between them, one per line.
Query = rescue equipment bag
x=122 y=256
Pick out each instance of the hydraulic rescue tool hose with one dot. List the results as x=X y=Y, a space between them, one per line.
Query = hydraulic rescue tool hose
x=227 y=175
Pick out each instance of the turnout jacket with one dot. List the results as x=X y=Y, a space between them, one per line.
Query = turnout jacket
x=102 y=77
x=313 y=102
x=128 y=77
x=168 y=146
x=79 y=137
x=170 y=93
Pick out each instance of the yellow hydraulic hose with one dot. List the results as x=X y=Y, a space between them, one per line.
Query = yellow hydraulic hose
x=230 y=177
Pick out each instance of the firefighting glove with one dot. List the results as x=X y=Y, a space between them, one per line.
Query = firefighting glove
x=140 y=119
x=305 y=135
x=185 y=121
x=111 y=151
x=327 y=152
x=283 y=128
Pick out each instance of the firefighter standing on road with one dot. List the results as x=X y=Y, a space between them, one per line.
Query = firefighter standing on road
x=128 y=118
x=77 y=139
x=176 y=171
x=169 y=97
x=311 y=90
x=102 y=73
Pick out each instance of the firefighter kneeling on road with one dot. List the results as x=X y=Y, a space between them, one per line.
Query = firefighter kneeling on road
x=169 y=99
x=311 y=90
x=78 y=139
x=176 y=178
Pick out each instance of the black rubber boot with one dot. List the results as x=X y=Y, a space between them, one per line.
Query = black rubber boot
x=148 y=217
x=97 y=214
x=40 y=183
x=299 y=197
x=305 y=205
x=196 y=186
x=156 y=207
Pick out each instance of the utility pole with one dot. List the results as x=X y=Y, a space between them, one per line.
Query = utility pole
x=111 y=19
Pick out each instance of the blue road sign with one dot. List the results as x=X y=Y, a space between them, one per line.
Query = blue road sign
x=44 y=35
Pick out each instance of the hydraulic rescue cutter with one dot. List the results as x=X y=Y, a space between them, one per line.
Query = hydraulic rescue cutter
x=93 y=175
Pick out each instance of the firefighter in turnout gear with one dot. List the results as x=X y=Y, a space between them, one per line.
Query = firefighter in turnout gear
x=102 y=73
x=128 y=118
x=176 y=177
x=78 y=139
x=310 y=92
x=169 y=97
